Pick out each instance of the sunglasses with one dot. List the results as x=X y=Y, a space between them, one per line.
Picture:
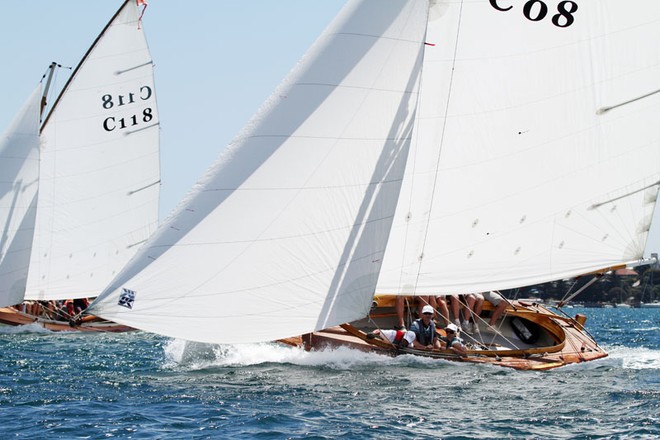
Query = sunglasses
x=429 y=314
x=449 y=331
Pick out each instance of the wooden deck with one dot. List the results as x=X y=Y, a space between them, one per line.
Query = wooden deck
x=10 y=316
x=562 y=340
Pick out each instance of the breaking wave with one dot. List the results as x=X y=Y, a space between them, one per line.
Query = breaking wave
x=194 y=355
x=28 y=328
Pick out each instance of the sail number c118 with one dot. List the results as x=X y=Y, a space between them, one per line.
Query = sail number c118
x=537 y=10
x=109 y=101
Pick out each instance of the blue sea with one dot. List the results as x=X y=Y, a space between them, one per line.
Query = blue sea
x=142 y=386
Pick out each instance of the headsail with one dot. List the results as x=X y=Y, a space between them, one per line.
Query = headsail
x=99 y=183
x=520 y=174
x=19 y=174
x=288 y=228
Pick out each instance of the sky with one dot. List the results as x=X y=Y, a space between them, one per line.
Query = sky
x=216 y=62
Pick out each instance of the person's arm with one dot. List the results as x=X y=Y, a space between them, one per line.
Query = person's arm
x=459 y=348
x=418 y=346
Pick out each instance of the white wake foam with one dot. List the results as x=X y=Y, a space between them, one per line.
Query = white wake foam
x=638 y=358
x=28 y=328
x=194 y=355
x=197 y=355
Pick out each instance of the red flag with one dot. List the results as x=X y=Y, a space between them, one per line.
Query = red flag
x=141 y=3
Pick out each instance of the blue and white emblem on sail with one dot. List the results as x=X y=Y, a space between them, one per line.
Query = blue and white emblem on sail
x=126 y=298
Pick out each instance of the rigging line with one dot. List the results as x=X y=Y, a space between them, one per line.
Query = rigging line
x=54 y=64
x=568 y=292
x=598 y=205
x=50 y=66
x=466 y=334
x=442 y=138
x=603 y=110
x=506 y=300
x=580 y=327
x=480 y=342
x=580 y=290
x=497 y=327
x=573 y=343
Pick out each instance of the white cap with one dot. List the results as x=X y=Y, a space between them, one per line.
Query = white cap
x=427 y=309
x=452 y=327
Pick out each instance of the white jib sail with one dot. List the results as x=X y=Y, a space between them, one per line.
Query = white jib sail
x=19 y=178
x=288 y=228
x=99 y=183
x=519 y=174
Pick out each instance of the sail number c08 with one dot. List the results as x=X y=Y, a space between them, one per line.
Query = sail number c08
x=537 y=10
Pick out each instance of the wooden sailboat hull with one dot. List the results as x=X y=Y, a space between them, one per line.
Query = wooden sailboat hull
x=13 y=317
x=561 y=340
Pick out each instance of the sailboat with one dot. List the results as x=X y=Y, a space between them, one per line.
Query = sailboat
x=83 y=196
x=19 y=165
x=419 y=148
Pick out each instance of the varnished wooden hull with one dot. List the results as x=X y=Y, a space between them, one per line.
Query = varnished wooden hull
x=13 y=317
x=562 y=340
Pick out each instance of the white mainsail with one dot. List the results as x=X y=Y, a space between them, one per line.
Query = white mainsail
x=287 y=230
x=519 y=174
x=19 y=174
x=100 y=173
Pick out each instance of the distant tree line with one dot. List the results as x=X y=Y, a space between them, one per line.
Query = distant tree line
x=610 y=288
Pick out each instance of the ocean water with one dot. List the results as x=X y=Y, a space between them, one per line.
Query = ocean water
x=142 y=386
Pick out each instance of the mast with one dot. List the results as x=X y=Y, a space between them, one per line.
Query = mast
x=50 y=73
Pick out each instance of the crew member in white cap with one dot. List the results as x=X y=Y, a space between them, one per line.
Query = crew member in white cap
x=425 y=336
x=452 y=340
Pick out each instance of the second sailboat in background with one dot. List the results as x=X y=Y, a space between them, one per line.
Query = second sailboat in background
x=98 y=181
